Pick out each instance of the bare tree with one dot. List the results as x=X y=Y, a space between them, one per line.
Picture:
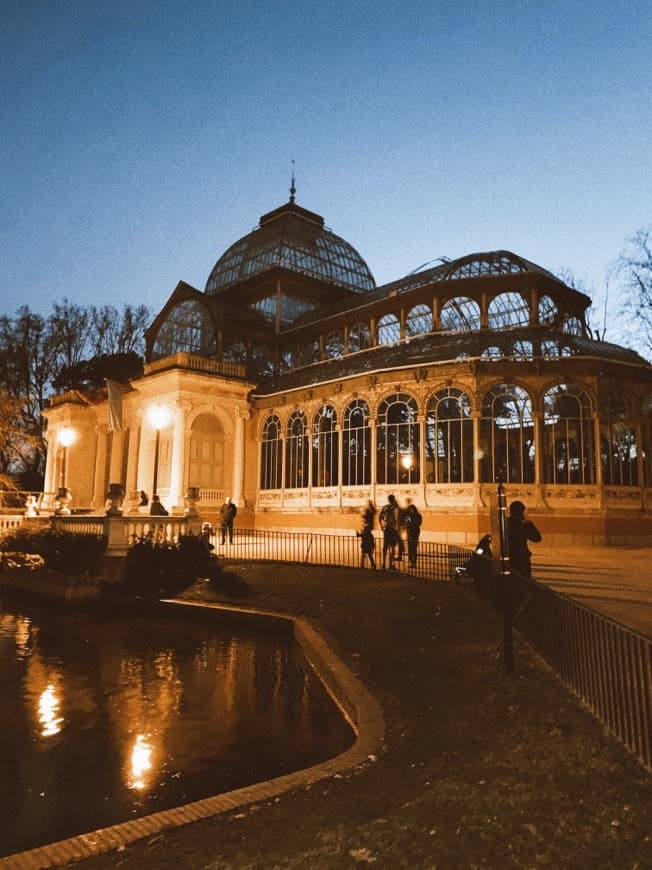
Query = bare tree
x=635 y=268
x=117 y=333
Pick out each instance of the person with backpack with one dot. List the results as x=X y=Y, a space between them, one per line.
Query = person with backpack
x=389 y=523
x=412 y=522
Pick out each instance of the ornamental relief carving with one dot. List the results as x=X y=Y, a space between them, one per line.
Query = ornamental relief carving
x=569 y=493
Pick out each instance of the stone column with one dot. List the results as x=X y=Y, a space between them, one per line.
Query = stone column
x=115 y=465
x=132 y=459
x=178 y=461
x=537 y=417
x=99 y=483
x=373 y=442
x=50 y=482
x=241 y=414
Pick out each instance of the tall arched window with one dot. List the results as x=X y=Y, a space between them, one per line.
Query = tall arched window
x=568 y=440
x=398 y=447
x=325 y=443
x=388 y=329
x=573 y=325
x=460 y=314
x=547 y=309
x=507 y=436
x=619 y=450
x=449 y=438
x=296 y=452
x=271 y=455
x=187 y=328
x=508 y=309
x=359 y=338
x=356 y=445
x=418 y=321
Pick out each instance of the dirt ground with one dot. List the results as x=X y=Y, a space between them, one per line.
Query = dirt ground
x=479 y=769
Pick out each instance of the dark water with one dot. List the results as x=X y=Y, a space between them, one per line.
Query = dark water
x=104 y=718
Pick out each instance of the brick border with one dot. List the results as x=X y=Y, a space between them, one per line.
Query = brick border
x=356 y=703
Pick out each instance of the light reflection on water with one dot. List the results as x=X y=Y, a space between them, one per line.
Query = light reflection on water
x=106 y=717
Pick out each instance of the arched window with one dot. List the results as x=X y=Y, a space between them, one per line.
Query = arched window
x=334 y=345
x=398 y=447
x=507 y=436
x=206 y=459
x=550 y=349
x=388 y=329
x=573 y=326
x=271 y=456
x=508 y=309
x=359 y=338
x=296 y=452
x=491 y=352
x=619 y=450
x=188 y=328
x=449 y=438
x=418 y=321
x=460 y=314
x=522 y=350
x=568 y=441
x=325 y=444
x=547 y=310
x=356 y=445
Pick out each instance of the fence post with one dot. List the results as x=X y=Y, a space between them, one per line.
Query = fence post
x=505 y=576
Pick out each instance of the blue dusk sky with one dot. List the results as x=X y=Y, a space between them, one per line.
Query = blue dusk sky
x=141 y=139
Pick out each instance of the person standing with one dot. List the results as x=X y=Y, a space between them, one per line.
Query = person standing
x=519 y=532
x=366 y=535
x=227 y=515
x=412 y=523
x=389 y=523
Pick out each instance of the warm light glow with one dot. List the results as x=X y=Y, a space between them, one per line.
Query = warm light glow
x=67 y=436
x=159 y=416
x=48 y=708
x=141 y=761
x=407 y=460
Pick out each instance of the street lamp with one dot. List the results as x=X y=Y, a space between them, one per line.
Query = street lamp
x=159 y=417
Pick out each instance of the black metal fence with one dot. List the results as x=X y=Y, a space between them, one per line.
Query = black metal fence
x=604 y=663
x=434 y=561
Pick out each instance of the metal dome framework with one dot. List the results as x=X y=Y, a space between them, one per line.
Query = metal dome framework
x=295 y=239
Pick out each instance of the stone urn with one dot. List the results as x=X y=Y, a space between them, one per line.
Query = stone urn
x=115 y=495
x=190 y=501
x=62 y=502
x=31 y=506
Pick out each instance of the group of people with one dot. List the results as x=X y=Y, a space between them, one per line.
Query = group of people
x=398 y=526
x=228 y=513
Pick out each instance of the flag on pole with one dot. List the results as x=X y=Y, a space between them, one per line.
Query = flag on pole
x=115 y=406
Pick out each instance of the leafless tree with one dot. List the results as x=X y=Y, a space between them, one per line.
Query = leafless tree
x=635 y=268
x=116 y=332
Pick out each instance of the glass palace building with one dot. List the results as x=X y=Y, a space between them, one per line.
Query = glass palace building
x=301 y=389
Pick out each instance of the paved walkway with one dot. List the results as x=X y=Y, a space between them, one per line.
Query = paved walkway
x=616 y=581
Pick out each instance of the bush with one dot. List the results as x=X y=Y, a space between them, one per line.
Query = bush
x=68 y=552
x=161 y=569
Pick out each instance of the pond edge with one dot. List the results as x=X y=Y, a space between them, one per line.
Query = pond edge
x=356 y=703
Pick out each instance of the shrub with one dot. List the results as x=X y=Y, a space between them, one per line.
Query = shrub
x=68 y=552
x=161 y=568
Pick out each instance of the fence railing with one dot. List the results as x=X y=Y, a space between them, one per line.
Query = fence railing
x=604 y=663
x=434 y=561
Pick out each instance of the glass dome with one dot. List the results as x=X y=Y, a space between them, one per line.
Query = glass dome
x=292 y=238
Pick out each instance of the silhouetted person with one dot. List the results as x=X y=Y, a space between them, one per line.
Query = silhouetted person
x=412 y=523
x=519 y=532
x=369 y=515
x=157 y=509
x=389 y=523
x=144 y=500
x=227 y=514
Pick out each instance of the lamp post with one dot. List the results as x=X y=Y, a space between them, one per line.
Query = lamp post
x=67 y=437
x=159 y=417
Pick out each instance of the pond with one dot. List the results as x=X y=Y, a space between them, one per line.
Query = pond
x=106 y=717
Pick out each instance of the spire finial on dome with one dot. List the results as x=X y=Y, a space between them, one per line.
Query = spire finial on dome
x=293 y=189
